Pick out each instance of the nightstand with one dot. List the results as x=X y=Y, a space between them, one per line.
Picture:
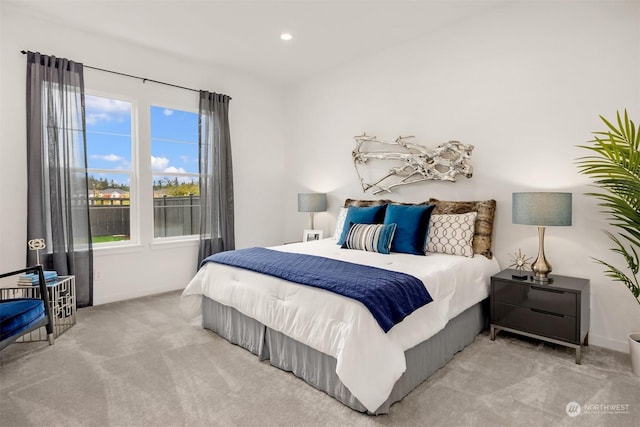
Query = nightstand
x=556 y=312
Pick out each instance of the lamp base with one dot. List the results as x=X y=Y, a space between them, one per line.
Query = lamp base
x=541 y=268
x=545 y=280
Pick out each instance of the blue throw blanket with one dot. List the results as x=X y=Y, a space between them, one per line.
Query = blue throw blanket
x=390 y=296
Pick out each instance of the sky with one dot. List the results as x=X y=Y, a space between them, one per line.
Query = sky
x=174 y=139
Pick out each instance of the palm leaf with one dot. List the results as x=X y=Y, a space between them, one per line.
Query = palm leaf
x=614 y=165
x=631 y=258
x=620 y=276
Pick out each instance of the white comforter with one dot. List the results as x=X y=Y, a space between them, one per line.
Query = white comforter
x=369 y=362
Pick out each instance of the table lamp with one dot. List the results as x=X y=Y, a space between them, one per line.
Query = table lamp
x=312 y=202
x=541 y=209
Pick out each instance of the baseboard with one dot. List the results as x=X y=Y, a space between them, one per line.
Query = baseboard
x=132 y=295
x=610 y=343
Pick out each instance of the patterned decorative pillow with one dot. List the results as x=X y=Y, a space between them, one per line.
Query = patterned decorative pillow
x=452 y=234
x=342 y=215
x=370 y=237
x=363 y=215
x=484 y=221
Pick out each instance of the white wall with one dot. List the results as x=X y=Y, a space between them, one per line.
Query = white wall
x=524 y=84
x=257 y=143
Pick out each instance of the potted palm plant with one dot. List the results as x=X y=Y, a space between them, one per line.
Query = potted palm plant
x=614 y=164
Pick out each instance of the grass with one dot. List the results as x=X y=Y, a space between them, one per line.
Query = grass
x=105 y=239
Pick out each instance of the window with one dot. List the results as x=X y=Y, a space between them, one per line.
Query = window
x=109 y=167
x=113 y=169
x=174 y=165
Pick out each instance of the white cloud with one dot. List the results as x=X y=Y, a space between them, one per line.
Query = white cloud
x=188 y=159
x=108 y=157
x=173 y=169
x=159 y=163
x=105 y=109
x=107 y=105
x=93 y=118
x=167 y=112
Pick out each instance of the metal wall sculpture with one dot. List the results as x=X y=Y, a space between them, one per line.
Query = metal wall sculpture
x=416 y=162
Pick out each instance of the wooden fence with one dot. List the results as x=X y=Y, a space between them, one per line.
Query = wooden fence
x=172 y=216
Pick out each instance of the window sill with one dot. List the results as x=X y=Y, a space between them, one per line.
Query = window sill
x=116 y=249
x=157 y=244
x=170 y=242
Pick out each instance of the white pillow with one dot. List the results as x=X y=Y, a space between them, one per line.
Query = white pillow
x=342 y=215
x=452 y=234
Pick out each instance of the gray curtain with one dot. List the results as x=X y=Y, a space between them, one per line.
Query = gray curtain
x=57 y=198
x=216 y=176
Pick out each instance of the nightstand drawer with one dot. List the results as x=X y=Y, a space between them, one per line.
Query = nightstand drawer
x=537 y=322
x=536 y=297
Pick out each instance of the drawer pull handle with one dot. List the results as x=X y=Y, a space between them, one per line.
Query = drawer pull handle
x=555 y=291
x=535 y=310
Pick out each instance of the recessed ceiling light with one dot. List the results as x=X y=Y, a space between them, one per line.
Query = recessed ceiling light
x=286 y=36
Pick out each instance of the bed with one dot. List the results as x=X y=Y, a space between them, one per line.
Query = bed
x=333 y=342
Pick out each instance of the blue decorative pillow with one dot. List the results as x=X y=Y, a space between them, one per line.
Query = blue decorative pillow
x=413 y=225
x=362 y=215
x=370 y=237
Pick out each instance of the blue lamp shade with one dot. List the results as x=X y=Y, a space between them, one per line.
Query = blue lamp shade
x=541 y=208
x=312 y=202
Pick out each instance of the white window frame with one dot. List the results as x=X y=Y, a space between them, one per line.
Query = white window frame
x=170 y=239
x=134 y=183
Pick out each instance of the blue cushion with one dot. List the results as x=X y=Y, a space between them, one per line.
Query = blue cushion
x=413 y=225
x=18 y=315
x=370 y=237
x=362 y=215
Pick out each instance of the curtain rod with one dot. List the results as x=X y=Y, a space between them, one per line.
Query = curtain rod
x=144 y=80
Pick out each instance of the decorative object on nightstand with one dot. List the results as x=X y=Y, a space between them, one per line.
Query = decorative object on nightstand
x=36 y=245
x=311 y=235
x=615 y=166
x=541 y=209
x=557 y=312
x=312 y=202
x=520 y=262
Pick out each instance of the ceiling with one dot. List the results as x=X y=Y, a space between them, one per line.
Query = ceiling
x=245 y=35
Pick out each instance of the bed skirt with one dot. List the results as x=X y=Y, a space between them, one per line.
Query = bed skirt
x=319 y=369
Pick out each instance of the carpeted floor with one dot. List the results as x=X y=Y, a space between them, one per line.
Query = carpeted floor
x=137 y=363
